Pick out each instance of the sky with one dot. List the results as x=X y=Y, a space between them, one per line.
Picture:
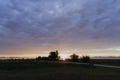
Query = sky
x=30 y=28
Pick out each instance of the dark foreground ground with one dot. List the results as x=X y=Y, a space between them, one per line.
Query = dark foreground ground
x=114 y=62
x=36 y=70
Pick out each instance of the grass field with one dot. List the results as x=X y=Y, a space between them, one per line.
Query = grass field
x=36 y=70
x=114 y=62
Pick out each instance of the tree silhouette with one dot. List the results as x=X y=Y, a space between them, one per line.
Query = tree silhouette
x=74 y=57
x=85 y=59
x=53 y=56
x=39 y=58
x=42 y=58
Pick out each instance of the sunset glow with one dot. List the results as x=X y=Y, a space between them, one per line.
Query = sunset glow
x=35 y=27
x=64 y=56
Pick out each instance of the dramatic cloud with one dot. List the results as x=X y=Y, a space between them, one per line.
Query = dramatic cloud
x=58 y=24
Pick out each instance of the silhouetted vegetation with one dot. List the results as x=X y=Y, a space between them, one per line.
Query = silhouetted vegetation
x=39 y=58
x=85 y=59
x=74 y=57
x=42 y=58
x=44 y=68
x=54 y=56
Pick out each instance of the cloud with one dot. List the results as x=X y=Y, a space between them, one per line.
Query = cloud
x=71 y=23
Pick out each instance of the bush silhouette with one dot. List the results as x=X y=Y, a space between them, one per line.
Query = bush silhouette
x=85 y=59
x=39 y=58
x=42 y=58
x=74 y=57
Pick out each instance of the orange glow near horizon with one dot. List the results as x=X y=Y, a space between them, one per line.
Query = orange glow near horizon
x=64 y=56
x=62 y=53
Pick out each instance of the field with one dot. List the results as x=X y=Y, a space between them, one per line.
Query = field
x=40 y=70
x=114 y=62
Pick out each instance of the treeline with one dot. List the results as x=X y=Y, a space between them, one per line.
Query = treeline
x=54 y=56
